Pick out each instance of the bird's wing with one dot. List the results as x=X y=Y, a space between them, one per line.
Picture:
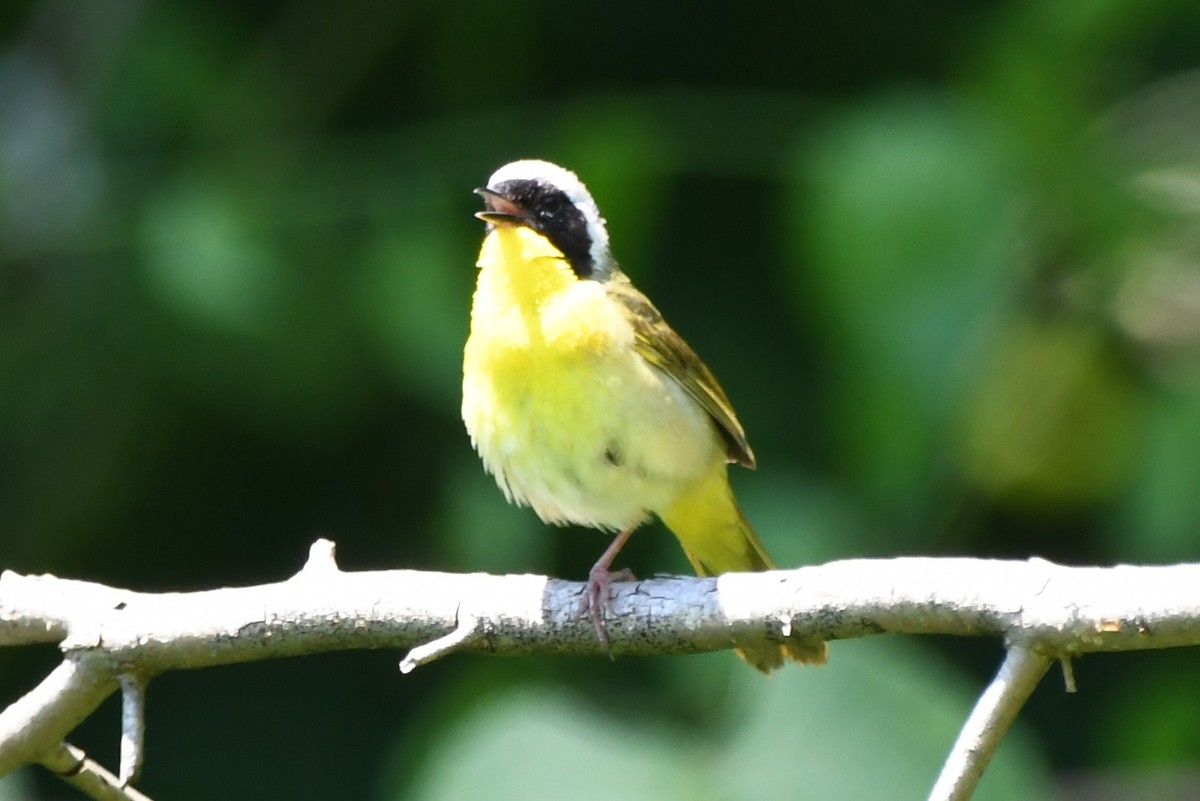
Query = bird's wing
x=659 y=345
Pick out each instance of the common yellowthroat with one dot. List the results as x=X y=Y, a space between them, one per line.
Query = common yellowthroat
x=585 y=405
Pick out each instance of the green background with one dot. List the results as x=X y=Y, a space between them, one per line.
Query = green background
x=943 y=256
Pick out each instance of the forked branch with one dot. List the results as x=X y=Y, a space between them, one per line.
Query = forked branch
x=119 y=639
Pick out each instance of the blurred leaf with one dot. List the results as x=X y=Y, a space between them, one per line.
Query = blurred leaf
x=205 y=265
x=415 y=296
x=540 y=744
x=1152 y=723
x=482 y=531
x=801 y=520
x=168 y=76
x=804 y=732
x=911 y=221
x=1157 y=305
x=910 y=210
x=1162 y=517
x=1052 y=421
x=1157 y=300
x=882 y=703
x=256 y=324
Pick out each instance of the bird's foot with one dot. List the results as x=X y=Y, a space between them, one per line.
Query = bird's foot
x=597 y=596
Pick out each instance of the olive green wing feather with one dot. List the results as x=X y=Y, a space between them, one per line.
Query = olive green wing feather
x=658 y=344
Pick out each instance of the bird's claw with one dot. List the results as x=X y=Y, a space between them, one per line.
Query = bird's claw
x=597 y=596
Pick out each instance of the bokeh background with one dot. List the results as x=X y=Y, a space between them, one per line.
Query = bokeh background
x=944 y=256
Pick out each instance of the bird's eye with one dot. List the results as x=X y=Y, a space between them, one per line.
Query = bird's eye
x=550 y=206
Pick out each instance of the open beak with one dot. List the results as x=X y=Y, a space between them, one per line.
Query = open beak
x=500 y=210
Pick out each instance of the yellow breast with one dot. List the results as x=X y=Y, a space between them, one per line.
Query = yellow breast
x=564 y=413
x=527 y=297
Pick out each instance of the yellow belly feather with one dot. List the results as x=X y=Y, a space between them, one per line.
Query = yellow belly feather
x=563 y=411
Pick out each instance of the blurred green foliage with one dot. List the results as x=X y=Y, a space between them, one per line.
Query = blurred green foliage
x=776 y=744
x=944 y=258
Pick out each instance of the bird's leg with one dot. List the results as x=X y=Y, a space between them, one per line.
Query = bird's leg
x=597 y=594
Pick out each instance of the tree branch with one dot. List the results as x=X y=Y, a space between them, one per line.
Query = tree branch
x=994 y=713
x=76 y=768
x=35 y=724
x=133 y=727
x=114 y=637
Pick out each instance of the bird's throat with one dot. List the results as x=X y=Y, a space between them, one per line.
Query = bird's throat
x=520 y=274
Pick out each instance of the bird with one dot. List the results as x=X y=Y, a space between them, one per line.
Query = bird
x=585 y=405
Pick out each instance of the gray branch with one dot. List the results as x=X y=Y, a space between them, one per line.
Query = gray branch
x=995 y=711
x=74 y=767
x=114 y=638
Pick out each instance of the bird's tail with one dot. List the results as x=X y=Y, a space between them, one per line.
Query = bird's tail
x=717 y=539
